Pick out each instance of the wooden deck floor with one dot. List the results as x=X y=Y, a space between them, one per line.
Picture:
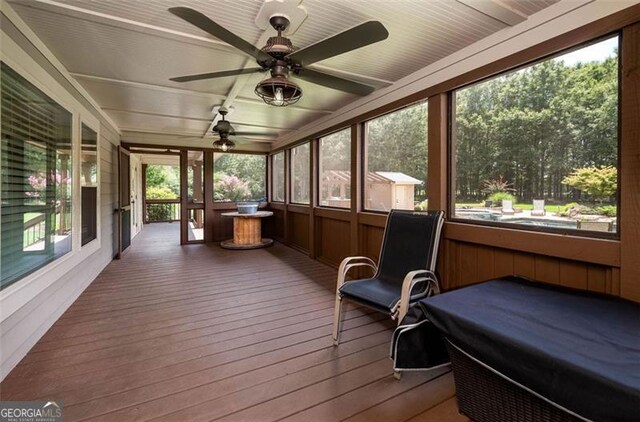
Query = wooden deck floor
x=201 y=333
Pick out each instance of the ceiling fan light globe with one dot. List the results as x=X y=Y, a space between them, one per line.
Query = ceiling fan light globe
x=224 y=145
x=278 y=91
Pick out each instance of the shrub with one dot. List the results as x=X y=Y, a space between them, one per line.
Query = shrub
x=231 y=188
x=608 y=210
x=491 y=186
x=498 y=197
x=573 y=209
x=598 y=182
x=160 y=192
x=421 y=206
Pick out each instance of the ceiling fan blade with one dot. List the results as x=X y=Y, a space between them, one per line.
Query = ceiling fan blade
x=216 y=74
x=201 y=21
x=247 y=133
x=351 y=39
x=335 y=82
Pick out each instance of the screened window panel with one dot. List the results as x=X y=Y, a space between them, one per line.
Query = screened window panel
x=36 y=178
x=239 y=177
x=537 y=147
x=396 y=160
x=335 y=170
x=300 y=174
x=278 y=177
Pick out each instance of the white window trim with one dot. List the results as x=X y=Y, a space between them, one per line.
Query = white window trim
x=19 y=293
x=96 y=129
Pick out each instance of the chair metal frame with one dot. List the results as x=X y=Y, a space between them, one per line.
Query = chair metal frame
x=412 y=278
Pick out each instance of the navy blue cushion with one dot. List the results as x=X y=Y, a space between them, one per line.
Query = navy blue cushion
x=578 y=349
x=373 y=293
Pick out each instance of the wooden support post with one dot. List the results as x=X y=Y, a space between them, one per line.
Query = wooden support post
x=630 y=165
x=184 y=213
x=313 y=195
x=145 y=219
x=208 y=196
x=356 y=188
x=437 y=153
x=287 y=194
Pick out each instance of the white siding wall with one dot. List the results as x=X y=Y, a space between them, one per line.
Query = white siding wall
x=29 y=307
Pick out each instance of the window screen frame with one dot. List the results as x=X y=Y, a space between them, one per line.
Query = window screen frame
x=451 y=155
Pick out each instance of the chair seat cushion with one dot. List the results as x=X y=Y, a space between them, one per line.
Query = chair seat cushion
x=372 y=292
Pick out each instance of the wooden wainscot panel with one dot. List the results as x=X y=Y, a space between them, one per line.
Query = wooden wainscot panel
x=372 y=219
x=597 y=251
x=334 y=214
x=468 y=263
x=371 y=241
x=299 y=230
x=298 y=209
x=274 y=226
x=333 y=240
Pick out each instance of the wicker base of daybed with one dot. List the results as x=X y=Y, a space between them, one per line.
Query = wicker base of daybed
x=484 y=396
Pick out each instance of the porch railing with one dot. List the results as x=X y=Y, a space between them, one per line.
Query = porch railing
x=161 y=210
x=34 y=231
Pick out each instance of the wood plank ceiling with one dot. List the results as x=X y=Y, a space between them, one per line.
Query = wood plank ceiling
x=124 y=52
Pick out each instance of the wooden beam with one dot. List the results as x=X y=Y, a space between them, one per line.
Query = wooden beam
x=437 y=153
x=630 y=164
x=356 y=187
x=577 y=248
x=144 y=194
x=184 y=164
x=496 y=10
x=209 y=213
x=287 y=195
x=313 y=195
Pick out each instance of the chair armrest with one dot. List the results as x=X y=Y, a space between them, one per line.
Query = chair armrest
x=351 y=262
x=410 y=280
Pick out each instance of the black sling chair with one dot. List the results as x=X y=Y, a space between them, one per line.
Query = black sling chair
x=406 y=272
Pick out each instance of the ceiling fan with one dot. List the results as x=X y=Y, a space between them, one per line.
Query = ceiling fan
x=224 y=129
x=280 y=57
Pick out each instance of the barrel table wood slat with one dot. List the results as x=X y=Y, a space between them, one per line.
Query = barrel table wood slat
x=247 y=231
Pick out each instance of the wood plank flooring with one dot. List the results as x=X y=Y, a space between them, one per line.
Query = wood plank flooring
x=200 y=333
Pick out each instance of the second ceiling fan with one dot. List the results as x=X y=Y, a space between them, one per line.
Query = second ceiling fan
x=281 y=58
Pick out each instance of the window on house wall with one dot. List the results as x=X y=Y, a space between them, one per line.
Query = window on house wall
x=538 y=147
x=335 y=170
x=238 y=177
x=89 y=184
x=300 y=188
x=396 y=160
x=277 y=177
x=36 y=176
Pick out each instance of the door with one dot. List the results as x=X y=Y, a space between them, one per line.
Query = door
x=124 y=201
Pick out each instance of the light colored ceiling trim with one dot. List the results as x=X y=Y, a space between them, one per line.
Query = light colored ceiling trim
x=369 y=80
x=496 y=10
x=205 y=94
x=199 y=119
x=129 y=131
x=53 y=6
x=21 y=26
x=239 y=83
x=167 y=140
x=148 y=113
x=546 y=24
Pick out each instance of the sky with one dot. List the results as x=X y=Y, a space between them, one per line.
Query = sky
x=595 y=52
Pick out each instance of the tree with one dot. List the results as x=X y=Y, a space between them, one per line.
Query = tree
x=599 y=182
x=247 y=168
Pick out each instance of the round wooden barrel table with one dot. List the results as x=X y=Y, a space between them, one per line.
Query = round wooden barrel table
x=247 y=231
